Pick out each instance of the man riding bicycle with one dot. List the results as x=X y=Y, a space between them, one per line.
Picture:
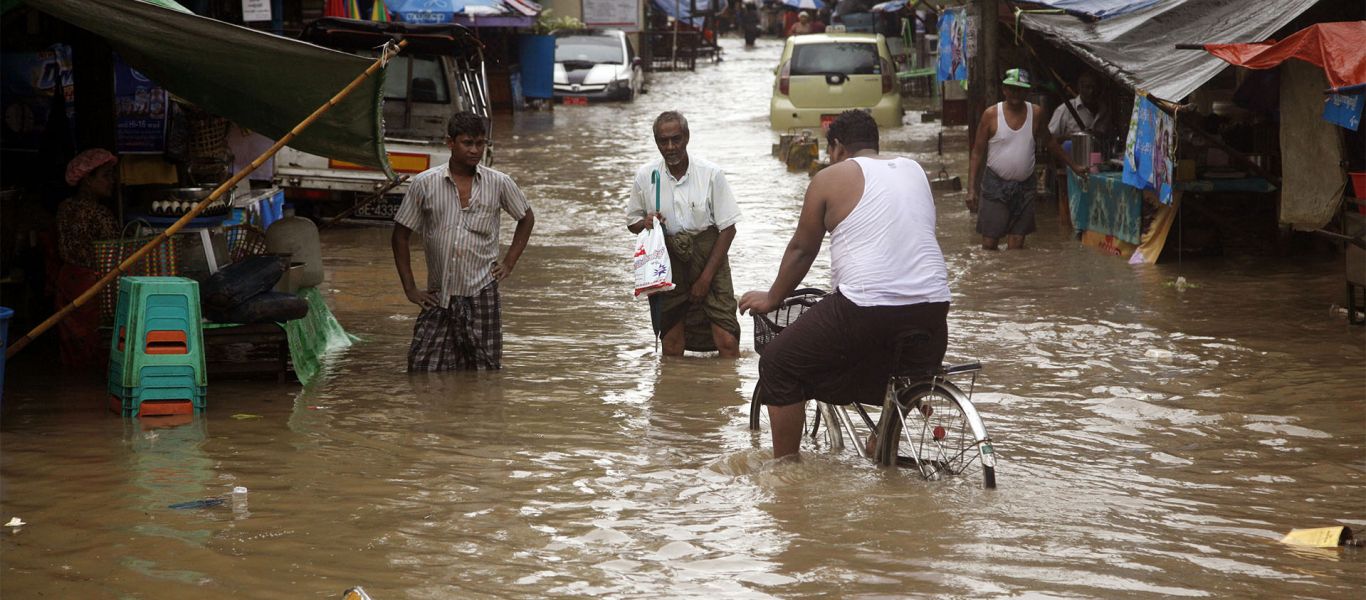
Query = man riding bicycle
x=889 y=278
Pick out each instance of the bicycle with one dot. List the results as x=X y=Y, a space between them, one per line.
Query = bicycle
x=925 y=422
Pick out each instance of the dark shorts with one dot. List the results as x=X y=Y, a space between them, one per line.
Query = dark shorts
x=1007 y=207
x=466 y=336
x=839 y=352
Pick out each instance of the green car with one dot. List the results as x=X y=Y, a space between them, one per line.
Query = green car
x=824 y=74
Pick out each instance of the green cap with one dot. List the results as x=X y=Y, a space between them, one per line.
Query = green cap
x=1017 y=78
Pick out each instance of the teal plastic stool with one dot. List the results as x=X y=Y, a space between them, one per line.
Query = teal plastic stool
x=157 y=350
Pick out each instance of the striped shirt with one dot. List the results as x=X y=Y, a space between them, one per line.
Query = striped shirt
x=461 y=243
x=692 y=203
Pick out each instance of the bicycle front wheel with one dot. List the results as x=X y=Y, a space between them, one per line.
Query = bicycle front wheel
x=933 y=428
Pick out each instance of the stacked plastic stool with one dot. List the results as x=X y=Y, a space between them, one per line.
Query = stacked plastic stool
x=156 y=357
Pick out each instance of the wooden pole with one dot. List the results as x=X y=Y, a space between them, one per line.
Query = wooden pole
x=987 y=47
x=111 y=276
x=982 y=77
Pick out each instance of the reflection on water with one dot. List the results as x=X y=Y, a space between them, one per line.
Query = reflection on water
x=1152 y=442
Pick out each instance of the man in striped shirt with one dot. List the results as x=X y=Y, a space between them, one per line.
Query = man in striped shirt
x=456 y=207
x=691 y=199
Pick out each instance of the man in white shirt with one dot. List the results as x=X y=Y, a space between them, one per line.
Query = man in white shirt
x=691 y=199
x=1095 y=118
x=1094 y=115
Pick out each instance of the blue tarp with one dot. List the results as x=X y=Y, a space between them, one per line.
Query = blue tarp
x=889 y=7
x=494 y=13
x=682 y=9
x=1096 y=9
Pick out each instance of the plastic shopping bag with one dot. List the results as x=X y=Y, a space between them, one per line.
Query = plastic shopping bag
x=651 y=263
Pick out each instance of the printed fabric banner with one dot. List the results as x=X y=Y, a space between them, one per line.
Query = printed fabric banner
x=1344 y=110
x=1150 y=150
x=139 y=111
x=953 y=45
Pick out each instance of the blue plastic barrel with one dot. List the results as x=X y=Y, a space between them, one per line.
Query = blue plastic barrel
x=5 y=315
x=538 y=65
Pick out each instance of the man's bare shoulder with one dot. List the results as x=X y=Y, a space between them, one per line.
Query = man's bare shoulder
x=838 y=174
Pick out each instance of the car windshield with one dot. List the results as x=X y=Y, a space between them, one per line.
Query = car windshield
x=589 y=49
x=847 y=58
x=429 y=79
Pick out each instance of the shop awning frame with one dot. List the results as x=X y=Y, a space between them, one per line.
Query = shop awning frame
x=260 y=81
x=1136 y=48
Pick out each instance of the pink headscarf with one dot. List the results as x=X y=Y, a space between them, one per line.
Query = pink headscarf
x=85 y=162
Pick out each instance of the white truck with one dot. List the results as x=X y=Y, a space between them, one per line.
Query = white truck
x=440 y=73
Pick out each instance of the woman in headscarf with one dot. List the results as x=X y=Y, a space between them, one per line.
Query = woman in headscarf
x=81 y=220
x=803 y=25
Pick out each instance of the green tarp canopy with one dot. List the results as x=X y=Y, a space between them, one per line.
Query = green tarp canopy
x=260 y=81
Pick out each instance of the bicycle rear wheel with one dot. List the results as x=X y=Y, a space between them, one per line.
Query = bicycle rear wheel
x=933 y=428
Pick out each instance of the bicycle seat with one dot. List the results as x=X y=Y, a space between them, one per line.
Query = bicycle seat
x=909 y=355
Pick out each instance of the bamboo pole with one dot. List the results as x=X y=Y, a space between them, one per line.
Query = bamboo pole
x=111 y=276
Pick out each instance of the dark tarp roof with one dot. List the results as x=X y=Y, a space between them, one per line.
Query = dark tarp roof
x=1139 y=47
x=260 y=81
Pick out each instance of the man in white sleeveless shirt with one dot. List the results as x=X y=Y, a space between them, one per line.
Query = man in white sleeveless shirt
x=889 y=278
x=1003 y=195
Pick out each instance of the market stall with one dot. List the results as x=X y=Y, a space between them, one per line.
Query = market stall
x=1131 y=223
x=182 y=200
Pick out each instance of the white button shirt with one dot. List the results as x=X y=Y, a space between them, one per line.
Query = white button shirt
x=1062 y=124
x=701 y=198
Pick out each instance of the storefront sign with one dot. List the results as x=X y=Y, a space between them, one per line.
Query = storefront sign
x=1150 y=149
x=29 y=82
x=617 y=14
x=139 y=111
x=954 y=32
x=1344 y=110
x=255 y=10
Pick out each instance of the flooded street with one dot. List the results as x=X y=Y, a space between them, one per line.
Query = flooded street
x=1153 y=442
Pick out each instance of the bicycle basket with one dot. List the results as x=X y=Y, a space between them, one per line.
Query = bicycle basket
x=768 y=325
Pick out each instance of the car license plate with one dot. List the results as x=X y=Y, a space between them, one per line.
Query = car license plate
x=576 y=100
x=826 y=120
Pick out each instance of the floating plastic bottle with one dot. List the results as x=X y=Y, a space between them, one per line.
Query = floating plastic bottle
x=239 y=501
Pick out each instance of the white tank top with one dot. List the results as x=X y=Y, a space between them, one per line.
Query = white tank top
x=885 y=252
x=1010 y=153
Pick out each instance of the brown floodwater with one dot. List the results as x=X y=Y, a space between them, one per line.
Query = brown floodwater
x=1153 y=441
